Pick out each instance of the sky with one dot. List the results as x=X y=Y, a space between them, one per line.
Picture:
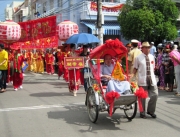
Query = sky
x=3 y=4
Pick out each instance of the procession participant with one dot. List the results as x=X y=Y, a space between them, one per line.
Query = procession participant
x=34 y=59
x=74 y=75
x=40 y=62
x=84 y=54
x=65 y=53
x=121 y=86
x=59 y=62
x=29 y=60
x=3 y=68
x=133 y=54
x=144 y=65
x=10 y=66
x=49 y=59
x=18 y=75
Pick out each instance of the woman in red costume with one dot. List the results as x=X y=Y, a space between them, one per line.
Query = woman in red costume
x=49 y=58
x=60 y=60
x=18 y=75
x=65 y=54
x=74 y=75
x=10 y=66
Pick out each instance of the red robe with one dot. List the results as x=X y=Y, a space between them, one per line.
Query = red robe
x=10 y=59
x=18 y=75
x=49 y=58
x=74 y=81
x=66 y=72
x=60 y=63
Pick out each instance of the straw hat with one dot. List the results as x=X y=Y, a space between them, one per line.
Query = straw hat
x=146 y=44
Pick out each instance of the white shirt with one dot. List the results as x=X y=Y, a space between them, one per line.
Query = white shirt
x=140 y=65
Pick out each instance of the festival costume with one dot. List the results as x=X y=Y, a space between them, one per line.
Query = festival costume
x=40 y=63
x=66 y=72
x=18 y=76
x=29 y=61
x=34 y=58
x=10 y=67
x=74 y=85
x=49 y=63
x=60 y=63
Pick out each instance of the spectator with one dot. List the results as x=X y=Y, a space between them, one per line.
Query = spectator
x=3 y=68
x=160 y=67
x=153 y=49
x=175 y=56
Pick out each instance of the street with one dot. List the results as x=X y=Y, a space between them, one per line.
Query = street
x=45 y=108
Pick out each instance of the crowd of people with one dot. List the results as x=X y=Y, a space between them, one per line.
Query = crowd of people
x=167 y=59
x=14 y=62
x=144 y=63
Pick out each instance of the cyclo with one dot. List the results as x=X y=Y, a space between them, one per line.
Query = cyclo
x=96 y=97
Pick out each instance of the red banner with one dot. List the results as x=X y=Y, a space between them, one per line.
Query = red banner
x=49 y=42
x=37 y=29
x=115 y=8
x=74 y=62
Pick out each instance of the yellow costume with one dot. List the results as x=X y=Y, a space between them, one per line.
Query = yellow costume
x=40 y=63
x=34 y=58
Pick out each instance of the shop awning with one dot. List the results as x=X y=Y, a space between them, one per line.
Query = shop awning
x=109 y=28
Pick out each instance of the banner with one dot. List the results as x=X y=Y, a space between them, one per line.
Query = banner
x=37 y=29
x=114 y=8
x=43 y=43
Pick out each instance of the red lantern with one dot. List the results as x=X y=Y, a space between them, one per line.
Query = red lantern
x=66 y=29
x=9 y=32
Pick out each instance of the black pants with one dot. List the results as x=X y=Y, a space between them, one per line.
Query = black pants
x=3 y=77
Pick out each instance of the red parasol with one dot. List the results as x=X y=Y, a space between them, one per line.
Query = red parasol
x=113 y=47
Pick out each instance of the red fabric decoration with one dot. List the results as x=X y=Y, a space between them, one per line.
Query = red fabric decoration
x=141 y=94
x=110 y=96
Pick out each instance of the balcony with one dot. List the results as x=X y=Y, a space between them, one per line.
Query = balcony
x=48 y=13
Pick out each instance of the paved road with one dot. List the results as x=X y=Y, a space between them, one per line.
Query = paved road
x=44 y=108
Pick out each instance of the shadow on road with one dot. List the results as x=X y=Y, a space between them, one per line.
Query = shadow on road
x=77 y=115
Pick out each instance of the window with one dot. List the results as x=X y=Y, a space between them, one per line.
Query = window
x=51 y=4
x=60 y=3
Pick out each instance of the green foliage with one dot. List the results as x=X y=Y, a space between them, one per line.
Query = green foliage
x=149 y=19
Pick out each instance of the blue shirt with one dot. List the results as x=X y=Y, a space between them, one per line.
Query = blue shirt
x=153 y=50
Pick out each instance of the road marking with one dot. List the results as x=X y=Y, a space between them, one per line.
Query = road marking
x=40 y=107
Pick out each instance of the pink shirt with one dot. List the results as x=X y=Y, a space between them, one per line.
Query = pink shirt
x=176 y=54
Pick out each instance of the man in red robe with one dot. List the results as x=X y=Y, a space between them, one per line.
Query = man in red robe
x=18 y=75
x=49 y=59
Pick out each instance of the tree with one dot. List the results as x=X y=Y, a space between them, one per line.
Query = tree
x=149 y=20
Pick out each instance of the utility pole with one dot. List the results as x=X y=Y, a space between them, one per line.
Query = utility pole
x=29 y=9
x=99 y=21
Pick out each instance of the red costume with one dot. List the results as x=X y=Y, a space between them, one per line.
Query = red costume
x=18 y=75
x=74 y=77
x=60 y=63
x=49 y=58
x=10 y=75
x=66 y=73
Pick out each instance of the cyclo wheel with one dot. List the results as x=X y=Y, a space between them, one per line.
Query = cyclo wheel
x=92 y=108
x=130 y=111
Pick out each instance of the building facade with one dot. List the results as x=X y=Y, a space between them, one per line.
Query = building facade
x=82 y=12
x=10 y=9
